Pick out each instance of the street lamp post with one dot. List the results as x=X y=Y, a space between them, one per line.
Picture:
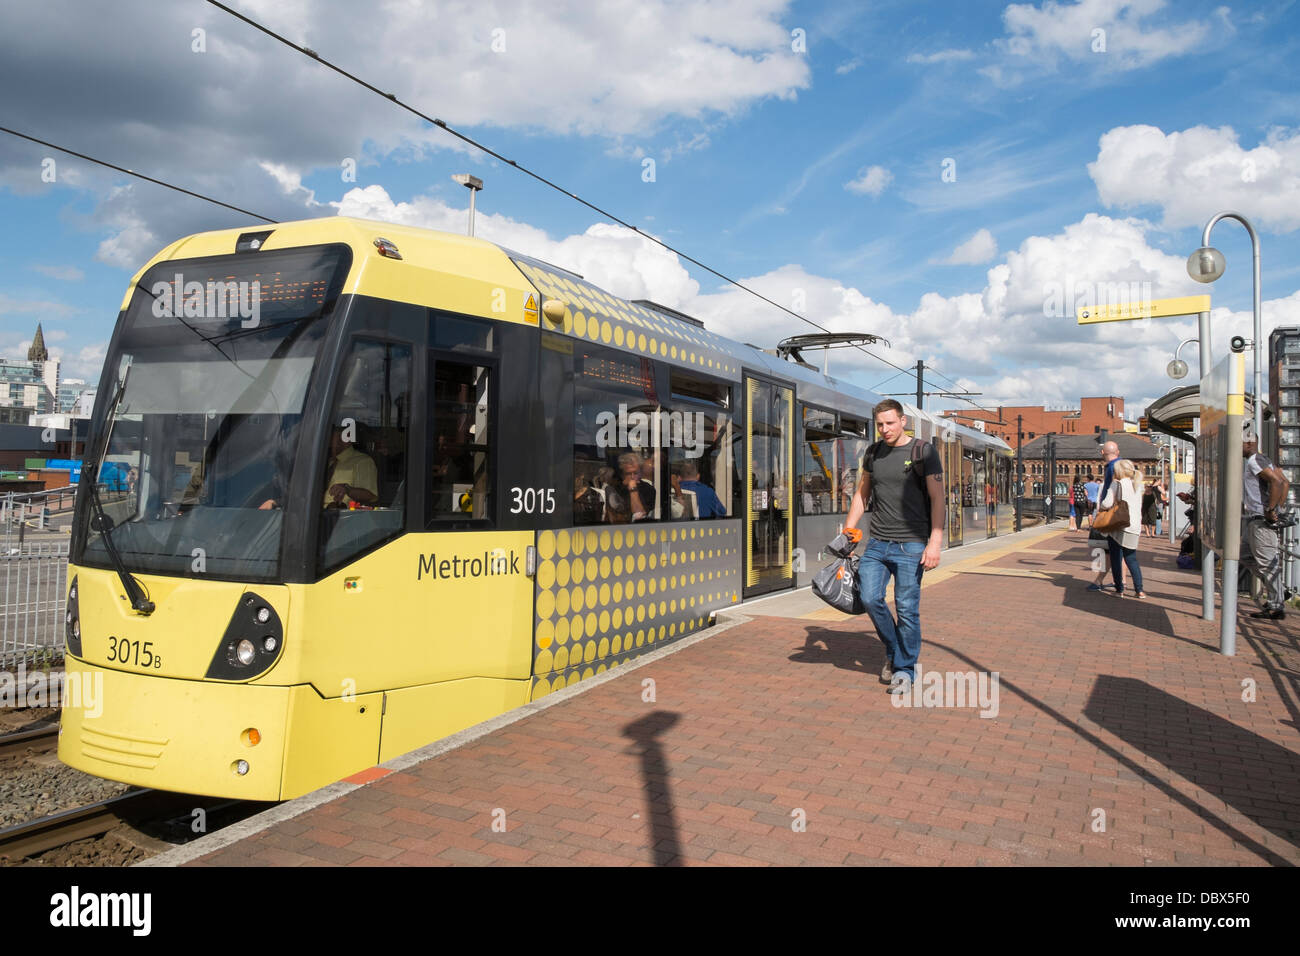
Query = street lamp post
x=1206 y=264
x=1178 y=368
x=473 y=184
x=1020 y=469
x=1050 y=501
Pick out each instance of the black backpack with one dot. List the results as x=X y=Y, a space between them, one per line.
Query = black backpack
x=919 y=450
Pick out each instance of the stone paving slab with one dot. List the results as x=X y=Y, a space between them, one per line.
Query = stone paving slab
x=1120 y=737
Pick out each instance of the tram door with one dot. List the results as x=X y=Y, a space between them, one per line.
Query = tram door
x=769 y=436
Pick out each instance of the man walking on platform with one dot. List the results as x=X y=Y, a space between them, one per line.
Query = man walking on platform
x=902 y=486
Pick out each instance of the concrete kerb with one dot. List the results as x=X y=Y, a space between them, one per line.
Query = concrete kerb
x=725 y=620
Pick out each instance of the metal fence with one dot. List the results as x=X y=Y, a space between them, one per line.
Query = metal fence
x=33 y=589
x=22 y=510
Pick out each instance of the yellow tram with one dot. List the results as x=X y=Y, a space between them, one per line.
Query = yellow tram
x=361 y=486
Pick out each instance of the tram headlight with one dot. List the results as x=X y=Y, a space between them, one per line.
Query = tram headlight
x=72 y=621
x=253 y=641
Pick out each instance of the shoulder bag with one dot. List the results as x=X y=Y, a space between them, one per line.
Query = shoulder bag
x=1116 y=517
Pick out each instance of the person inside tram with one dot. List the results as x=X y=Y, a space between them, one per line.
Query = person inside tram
x=353 y=478
x=588 y=502
x=681 y=502
x=629 y=498
x=708 y=503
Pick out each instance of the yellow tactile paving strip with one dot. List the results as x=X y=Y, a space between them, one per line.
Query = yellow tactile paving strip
x=972 y=565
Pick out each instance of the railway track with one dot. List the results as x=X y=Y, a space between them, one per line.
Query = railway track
x=133 y=809
x=41 y=738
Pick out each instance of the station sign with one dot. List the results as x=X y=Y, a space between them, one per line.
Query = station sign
x=1148 y=309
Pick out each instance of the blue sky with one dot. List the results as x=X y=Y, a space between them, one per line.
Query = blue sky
x=800 y=147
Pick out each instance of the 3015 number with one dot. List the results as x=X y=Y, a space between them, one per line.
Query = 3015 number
x=533 y=501
x=136 y=653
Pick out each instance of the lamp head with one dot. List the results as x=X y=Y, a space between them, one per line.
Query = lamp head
x=1177 y=369
x=1206 y=264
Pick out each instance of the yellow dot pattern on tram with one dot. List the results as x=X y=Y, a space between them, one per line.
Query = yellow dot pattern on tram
x=621 y=609
x=593 y=315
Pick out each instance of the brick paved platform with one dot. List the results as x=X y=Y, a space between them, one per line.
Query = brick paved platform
x=772 y=742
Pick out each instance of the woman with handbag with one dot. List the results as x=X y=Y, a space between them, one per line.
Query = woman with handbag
x=1119 y=514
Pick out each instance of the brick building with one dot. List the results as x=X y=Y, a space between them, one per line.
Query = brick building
x=1089 y=419
x=1080 y=455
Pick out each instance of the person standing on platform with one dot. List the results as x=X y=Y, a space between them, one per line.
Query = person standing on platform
x=902 y=486
x=1263 y=490
x=1092 y=488
x=1126 y=487
x=1079 y=502
x=1109 y=454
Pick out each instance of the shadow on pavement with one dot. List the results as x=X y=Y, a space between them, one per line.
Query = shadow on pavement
x=655 y=781
x=1241 y=768
x=847 y=650
x=1142 y=772
x=1278 y=650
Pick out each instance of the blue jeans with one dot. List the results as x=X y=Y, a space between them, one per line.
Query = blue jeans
x=1124 y=556
x=902 y=637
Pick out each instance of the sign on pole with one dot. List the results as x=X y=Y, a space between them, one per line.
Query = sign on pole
x=1149 y=309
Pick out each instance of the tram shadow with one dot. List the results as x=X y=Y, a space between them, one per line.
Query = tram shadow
x=861 y=651
x=656 y=782
x=1250 y=773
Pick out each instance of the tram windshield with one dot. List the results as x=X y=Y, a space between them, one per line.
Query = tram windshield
x=201 y=413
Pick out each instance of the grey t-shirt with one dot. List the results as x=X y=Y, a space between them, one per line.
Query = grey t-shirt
x=902 y=510
x=1254 y=488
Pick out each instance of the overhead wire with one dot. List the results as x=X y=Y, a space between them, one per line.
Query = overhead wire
x=132 y=172
x=441 y=124
x=306 y=51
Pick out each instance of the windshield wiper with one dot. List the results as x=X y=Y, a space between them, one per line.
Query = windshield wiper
x=103 y=523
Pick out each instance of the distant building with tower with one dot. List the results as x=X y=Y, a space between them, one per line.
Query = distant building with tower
x=30 y=387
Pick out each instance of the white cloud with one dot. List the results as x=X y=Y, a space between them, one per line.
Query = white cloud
x=848 y=66
x=998 y=339
x=1039 y=36
x=65 y=273
x=473 y=65
x=942 y=56
x=1195 y=173
x=19 y=310
x=871 y=181
x=610 y=256
x=86 y=363
x=979 y=248
x=247 y=120
x=290 y=181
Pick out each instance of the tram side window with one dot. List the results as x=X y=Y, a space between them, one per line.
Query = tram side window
x=819 y=468
x=850 y=449
x=617 y=461
x=696 y=437
x=461 y=447
x=364 y=496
